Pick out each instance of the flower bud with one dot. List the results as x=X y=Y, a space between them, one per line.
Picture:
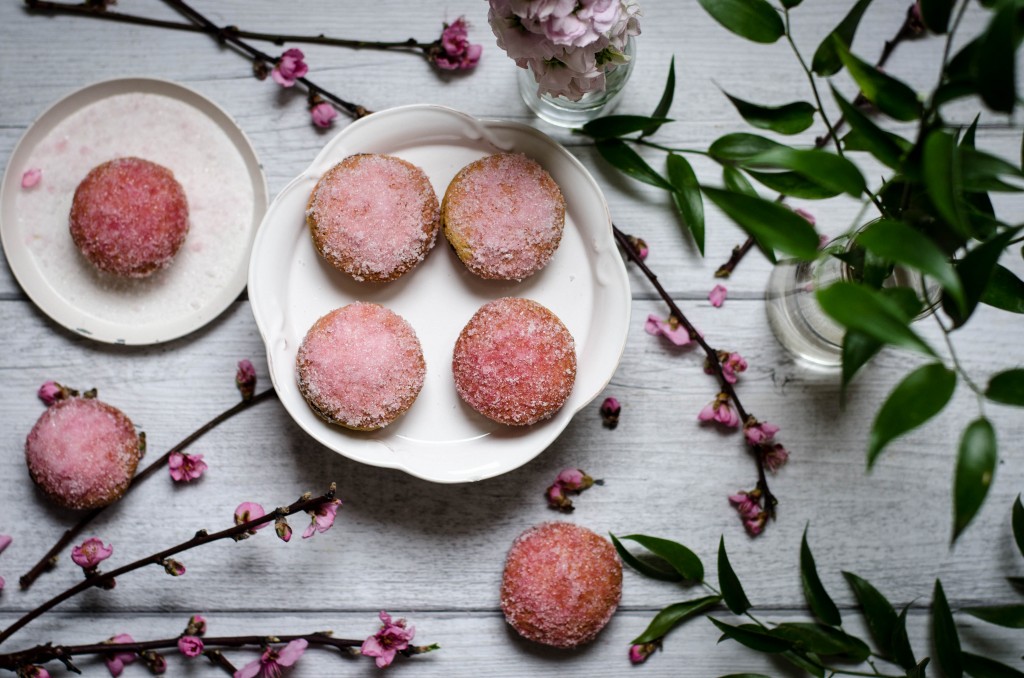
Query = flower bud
x=638 y=654
x=610 y=410
x=245 y=379
x=154 y=661
x=196 y=625
x=173 y=567
x=283 y=529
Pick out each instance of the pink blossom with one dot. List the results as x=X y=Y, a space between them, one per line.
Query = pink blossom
x=720 y=410
x=31 y=177
x=761 y=433
x=5 y=541
x=283 y=529
x=748 y=506
x=671 y=329
x=732 y=364
x=33 y=672
x=2 y=583
x=610 y=410
x=557 y=500
x=638 y=654
x=806 y=215
x=50 y=392
x=116 y=661
x=323 y=114
x=91 y=553
x=322 y=519
x=185 y=467
x=574 y=480
x=271 y=662
x=717 y=295
x=775 y=457
x=386 y=643
x=453 y=51
x=196 y=625
x=190 y=646
x=250 y=510
x=289 y=68
x=245 y=379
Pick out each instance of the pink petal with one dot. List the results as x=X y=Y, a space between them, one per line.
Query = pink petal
x=717 y=295
x=250 y=670
x=292 y=651
x=31 y=177
x=5 y=541
x=708 y=413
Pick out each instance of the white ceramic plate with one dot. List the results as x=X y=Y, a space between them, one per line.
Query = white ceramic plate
x=168 y=124
x=440 y=438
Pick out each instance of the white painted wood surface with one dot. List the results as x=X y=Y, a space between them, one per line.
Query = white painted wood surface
x=434 y=553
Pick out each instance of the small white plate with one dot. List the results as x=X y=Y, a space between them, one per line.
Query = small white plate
x=162 y=122
x=440 y=438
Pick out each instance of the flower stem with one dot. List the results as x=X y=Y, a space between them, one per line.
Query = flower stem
x=201 y=538
x=643 y=142
x=43 y=653
x=712 y=356
x=49 y=559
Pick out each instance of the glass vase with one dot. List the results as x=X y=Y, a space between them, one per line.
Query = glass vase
x=564 y=112
x=799 y=323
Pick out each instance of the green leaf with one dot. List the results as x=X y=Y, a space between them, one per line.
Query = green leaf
x=740 y=146
x=686 y=197
x=736 y=182
x=975 y=467
x=683 y=560
x=790 y=118
x=791 y=183
x=826 y=59
x=772 y=224
x=752 y=636
x=983 y=667
x=899 y=243
x=661 y=110
x=823 y=640
x=878 y=612
x=1004 y=291
x=892 y=97
x=935 y=14
x=801 y=662
x=830 y=171
x=746 y=675
x=1010 y=616
x=1018 y=524
x=942 y=178
x=673 y=615
x=944 y=635
x=629 y=162
x=858 y=349
x=901 y=650
x=620 y=125
x=870 y=312
x=755 y=20
x=1007 y=387
x=976 y=269
x=980 y=171
x=886 y=146
x=732 y=590
x=994 y=62
x=814 y=591
x=659 y=569
x=920 y=396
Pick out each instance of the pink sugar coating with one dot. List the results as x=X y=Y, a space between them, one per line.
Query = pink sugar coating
x=361 y=366
x=376 y=216
x=82 y=453
x=510 y=214
x=514 y=362
x=562 y=584
x=129 y=217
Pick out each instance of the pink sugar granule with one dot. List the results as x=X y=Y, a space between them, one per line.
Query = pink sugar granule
x=361 y=366
x=374 y=216
x=82 y=453
x=561 y=584
x=514 y=362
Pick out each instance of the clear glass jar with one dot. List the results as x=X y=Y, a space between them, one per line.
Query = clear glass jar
x=567 y=113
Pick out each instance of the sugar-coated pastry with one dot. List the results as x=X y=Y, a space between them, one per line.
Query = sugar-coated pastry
x=561 y=584
x=514 y=362
x=82 y=453
x=360 y=366
x=373 y=216
x=129 y=217
x=504 y=216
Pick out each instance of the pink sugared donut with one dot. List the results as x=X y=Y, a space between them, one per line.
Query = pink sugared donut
x=373 y=216
x=360 y=366
x=129 y=217
x=561 y=584
x=504 y=216
x=514 y=362
x=82 y=453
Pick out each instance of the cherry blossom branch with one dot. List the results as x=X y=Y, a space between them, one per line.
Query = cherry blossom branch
x=713 y=361
x=911 y=28
x=96 y=579
x=49 y=560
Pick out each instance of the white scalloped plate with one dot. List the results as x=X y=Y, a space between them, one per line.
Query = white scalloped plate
x=168 y=124
x=441 y=439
